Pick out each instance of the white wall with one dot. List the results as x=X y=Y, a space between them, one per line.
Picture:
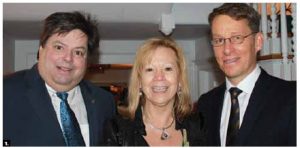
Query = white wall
x=25 y=53
x=204 y=54
x=209 y=75
x=184 y=13
x=118 y=51
x=276 y=68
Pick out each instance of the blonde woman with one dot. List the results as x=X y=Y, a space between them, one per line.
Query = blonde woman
x=159 y=107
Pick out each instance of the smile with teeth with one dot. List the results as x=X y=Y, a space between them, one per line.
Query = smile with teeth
x=64 y=69
x=160 y=88
x=230 y=61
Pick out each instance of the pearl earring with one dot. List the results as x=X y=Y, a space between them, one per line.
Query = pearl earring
x=179 y=92
x=140 y=92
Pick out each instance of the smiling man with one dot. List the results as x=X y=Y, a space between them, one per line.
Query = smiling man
x=51 y=104
x=252 y=108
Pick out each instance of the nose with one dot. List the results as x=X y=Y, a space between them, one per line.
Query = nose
x=68 y=56
x=227 y=47
x=159 y=75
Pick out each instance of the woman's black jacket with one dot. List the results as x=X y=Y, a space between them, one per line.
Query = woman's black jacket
x=125 y=132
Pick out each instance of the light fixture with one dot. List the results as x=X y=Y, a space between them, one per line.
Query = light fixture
x=167 y=24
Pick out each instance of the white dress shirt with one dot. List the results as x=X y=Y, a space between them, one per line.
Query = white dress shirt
x=77 y=105
x=246 y=85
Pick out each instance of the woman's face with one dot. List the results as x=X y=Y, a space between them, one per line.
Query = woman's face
x=160 y=77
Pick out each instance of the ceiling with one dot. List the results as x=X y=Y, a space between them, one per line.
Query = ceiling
x=118 y=21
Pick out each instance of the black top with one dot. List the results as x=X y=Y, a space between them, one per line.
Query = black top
x=125 y=132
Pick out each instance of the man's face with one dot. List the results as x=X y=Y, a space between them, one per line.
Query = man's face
x=235 y=60
x=63 y=60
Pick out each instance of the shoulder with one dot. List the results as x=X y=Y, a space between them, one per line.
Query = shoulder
x=194 y=125
x=121 y=122
x=280 y=94
x=212 y=95
x=283 y=83
x=275 y=81
x=101 y=99
x=93 y=89
x=15 y=81
x=194 y=120
x=117 y=130
x=23 y=79
x=277 y=86
x=89 y=89
x=14 y=77
x=214 y=91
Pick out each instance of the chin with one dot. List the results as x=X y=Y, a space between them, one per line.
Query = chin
x=231 y=74
x=63 y=81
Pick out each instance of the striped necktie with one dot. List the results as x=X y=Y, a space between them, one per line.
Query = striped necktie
x=234 y=119
x=71 y=129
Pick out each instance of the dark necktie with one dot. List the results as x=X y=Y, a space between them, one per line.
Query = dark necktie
x=234 y=119
x=71 y=129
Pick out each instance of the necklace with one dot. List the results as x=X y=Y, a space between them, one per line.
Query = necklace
x=164 y=134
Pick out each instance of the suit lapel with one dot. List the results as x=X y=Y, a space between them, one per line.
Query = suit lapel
x=91 y=113
x=257 y=101
x=217 y=112
x=41 y=102
x=39 y=98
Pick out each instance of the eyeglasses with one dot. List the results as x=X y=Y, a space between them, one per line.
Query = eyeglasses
x=237 y=39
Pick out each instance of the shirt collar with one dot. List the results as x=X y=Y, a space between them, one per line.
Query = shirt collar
x=71 y=92
x=247 y=84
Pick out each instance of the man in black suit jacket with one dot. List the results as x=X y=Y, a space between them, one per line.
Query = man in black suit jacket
x=267 y=105
x=31 y=108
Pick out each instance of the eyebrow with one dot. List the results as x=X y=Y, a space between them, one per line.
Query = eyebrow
x=232 y=34
x=79 y=47
x=216 y=35
x=59 y=42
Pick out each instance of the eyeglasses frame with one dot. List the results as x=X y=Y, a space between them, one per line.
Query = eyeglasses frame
x=230 y=38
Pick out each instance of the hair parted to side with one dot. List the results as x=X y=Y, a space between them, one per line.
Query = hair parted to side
x=238 y=11
x=64 y=22
x=182 y=105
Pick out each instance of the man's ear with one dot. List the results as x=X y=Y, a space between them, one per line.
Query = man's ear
x=40 y=47
x=39 y=51
x=259 y=41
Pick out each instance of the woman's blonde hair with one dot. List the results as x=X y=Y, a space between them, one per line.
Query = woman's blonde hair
x=183 y=104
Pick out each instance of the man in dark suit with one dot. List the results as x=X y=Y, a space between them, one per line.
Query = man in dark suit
x=252 y=108
x=34 y=114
